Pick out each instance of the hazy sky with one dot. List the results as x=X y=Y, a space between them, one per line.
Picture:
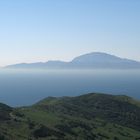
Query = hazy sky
x=38 y=30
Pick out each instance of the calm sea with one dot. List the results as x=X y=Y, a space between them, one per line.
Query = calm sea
x=25 y=87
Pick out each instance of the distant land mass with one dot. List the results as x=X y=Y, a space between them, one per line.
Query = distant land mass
x=95 y=60
x=88 y=117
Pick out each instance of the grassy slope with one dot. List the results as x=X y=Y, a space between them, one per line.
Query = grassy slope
x=87 y=117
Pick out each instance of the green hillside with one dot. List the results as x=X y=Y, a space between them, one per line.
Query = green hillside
x=87 y=117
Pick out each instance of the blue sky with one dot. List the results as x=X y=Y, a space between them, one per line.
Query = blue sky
x=39 y=30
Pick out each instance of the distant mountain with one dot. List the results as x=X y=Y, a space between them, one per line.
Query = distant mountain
x=87 y=117
x=88 y=61
x=38 y=65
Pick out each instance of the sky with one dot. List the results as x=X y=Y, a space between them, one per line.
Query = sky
x=42 y=30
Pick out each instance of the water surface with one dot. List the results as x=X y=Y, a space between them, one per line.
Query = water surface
x=25 y=87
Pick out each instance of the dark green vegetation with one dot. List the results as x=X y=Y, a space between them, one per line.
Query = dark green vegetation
x=87 y=117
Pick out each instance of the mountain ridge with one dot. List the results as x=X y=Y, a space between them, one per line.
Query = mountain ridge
x=92 y=60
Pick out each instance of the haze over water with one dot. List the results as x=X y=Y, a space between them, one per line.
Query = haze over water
x=25 y=87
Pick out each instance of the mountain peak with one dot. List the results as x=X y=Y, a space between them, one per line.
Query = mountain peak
x=96 y=56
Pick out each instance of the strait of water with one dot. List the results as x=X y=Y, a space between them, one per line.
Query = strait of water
x=25 y=87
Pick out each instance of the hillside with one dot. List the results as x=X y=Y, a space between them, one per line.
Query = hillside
x=93 y=60
x=87 y=117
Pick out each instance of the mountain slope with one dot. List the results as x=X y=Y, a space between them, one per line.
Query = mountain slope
x=86 y=117
x=4 y=112
x=91 y=60
x=119 y=109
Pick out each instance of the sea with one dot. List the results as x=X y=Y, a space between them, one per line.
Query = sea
x=27 y=87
